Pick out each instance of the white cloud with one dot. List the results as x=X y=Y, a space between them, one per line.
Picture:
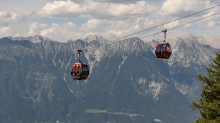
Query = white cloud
x=171 y=25
x=96 y=25
x=215 y=17
x=149 y=23
x=112 y=29
x=22 y=6
x=183 y=7
x=7 y=18
x=121 y=1
x=215 y=1
x=113 y=10
x=115 y=1
x=93 y=9
x=110 y=18
x=211 y=24
x=35 y=28
x=5 y=31
x=58 y=9
x=109 y=29
x=188 y=25
x=71 y=31
x=53 y=30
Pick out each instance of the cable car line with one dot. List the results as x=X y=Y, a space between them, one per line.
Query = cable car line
x=116 y=45
x=112 y=40
x=33 y=69
x=194 y=21
x=156 y=26
x=184 y=24
x=37 y=64
x=55 y=63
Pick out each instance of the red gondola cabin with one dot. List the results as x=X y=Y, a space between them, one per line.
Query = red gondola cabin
x=80 y=71
x=163 y=51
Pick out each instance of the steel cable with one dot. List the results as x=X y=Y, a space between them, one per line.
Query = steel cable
x=119 y=44
x=112 y=40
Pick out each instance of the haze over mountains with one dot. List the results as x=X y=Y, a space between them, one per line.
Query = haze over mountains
x=126 y=79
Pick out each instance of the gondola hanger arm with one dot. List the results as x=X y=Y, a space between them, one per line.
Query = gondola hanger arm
x=78 y=51
x=165 y=31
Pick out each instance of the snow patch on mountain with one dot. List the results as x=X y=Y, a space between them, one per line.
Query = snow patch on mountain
x=142 y=81
x=143 y=86
x=183 y=88
x=124 y=58
x=155 y=89
x=157 y=120
x=98 y=55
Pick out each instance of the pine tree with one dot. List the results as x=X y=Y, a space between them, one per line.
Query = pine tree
x=209 y=104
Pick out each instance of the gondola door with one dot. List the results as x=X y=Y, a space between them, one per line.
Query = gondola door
x=163 y=50
x=76 y=72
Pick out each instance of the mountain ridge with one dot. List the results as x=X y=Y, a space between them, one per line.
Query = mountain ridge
x=33 y=39
x=125 y=76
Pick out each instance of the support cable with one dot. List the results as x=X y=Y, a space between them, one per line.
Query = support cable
x=113 y=40
x=119 y=44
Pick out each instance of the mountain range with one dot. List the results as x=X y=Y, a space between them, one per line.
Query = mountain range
x=127 y=83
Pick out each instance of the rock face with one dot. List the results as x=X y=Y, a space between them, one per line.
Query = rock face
x=125 y=76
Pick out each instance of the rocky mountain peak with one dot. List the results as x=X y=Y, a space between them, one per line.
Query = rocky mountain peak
x=212 y=41
x=96 y=38
x=214 y=38
x=187 y=37
x=33 y=39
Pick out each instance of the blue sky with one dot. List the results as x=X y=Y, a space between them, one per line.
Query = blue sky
x=63 y=20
